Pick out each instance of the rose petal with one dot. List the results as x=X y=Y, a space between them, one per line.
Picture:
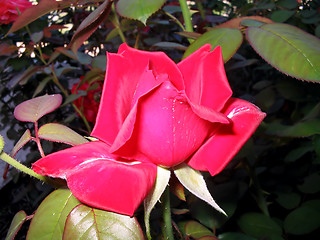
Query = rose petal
x=98 y=178
x=160 y=63
x=112 y=186
x=166 y=130
x=205 y=78
x=220 y=148
x=59 y=164
x=122 y=77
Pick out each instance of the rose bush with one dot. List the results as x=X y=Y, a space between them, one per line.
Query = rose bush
x=9 y=12
x=154 y=113
x=88 y=104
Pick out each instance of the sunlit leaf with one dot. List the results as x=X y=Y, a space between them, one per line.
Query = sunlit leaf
x=33 y=109
x=35 y=12
x=259 y=225
x=92 y=224
x=287 y=48
x=138 y=9
x=50 y=218
x=22 y=141
x=90 y=24
x=304 y=219
x=16 y=224
x=163 y=176
x=229 y=40
x=59 y=133
x=193 y=181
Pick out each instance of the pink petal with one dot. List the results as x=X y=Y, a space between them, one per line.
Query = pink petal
x=160 y=63
x=112 y=186
x=220 y=148
x=122 y=77
x=166 y=130
x=60 y=163
x=100 y=179
x=205 y=78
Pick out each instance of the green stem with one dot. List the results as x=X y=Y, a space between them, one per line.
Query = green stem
x=176 y=21
x=186 y=15
x=201 y=9
x=167 y=227
x=5 y=157
x=117 y=24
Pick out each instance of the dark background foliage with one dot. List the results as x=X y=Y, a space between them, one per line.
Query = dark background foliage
x=270 y=190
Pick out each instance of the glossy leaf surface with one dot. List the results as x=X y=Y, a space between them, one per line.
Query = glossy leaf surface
x=193 y=181
x=50 y=217
x=287 y=48
x=32 y=110
x=91 y=224
x=229 y=40
x=138 y=9
x=59 y=133
x=16 y=224
x=163 y=176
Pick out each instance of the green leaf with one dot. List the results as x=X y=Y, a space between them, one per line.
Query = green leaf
x=301 y=129
x=297 y=153
x=289 y=4
x=139 y=9
x=22 y=141
x=229 y=40
x=259 y=225
x=311 y=184
x=196 y=230
x=90 y=24
x=288 y=200
x=287 y=48
x=92 y=224
x=32 y=110
x=304 y=219
x=16 y=224
x=193 y=181
x=251 y=23
x=42 y=85
x=50 y=218
x=163 y=176
x=59 y=133
x=235 y=236
x=100 y=62
x=282 y=15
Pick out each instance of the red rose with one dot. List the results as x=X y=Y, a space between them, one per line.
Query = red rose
x=8 y=9
x=154 y=112
x=88 y=104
